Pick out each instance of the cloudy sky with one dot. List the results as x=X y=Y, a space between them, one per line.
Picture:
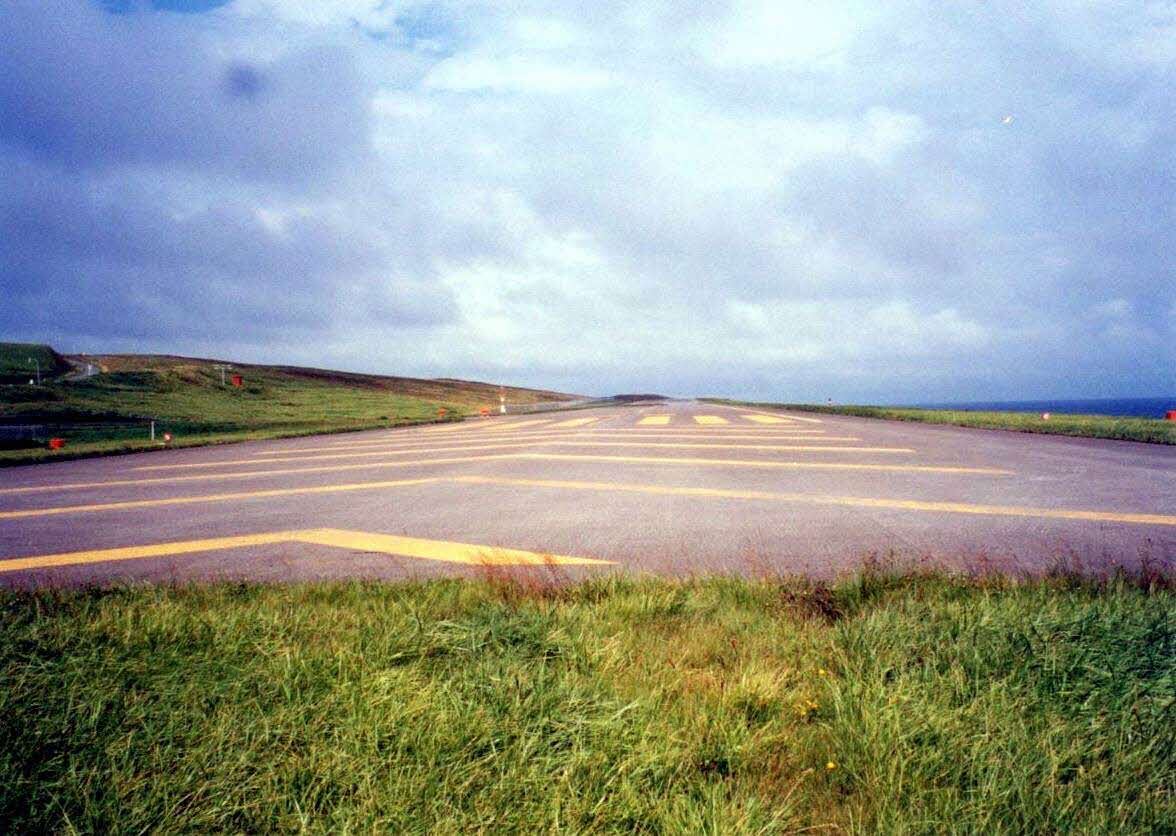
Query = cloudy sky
x=792 y=200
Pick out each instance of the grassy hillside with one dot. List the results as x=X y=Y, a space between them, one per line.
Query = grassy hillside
x=108 y=412
x=1149 y=430
x=18 y=362
x=881 y=704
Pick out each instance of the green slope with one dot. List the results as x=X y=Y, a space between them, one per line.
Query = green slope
x=111 y=411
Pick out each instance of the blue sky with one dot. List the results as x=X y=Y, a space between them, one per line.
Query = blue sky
x=859 y=201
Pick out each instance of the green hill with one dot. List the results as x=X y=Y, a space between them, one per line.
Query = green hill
x=112 y=410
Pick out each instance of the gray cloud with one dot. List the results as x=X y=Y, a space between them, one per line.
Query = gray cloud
x=771 y=199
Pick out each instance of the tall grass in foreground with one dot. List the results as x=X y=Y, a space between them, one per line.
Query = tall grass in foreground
x=881 y=703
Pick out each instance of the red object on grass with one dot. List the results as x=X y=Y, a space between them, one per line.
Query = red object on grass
x=237 y=380
x=441 y=412
x=484 y=410
x=1171 y=415
x=56 y=443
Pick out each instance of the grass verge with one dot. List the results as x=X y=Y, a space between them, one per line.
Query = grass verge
x=883 y=702
x=1150 y=430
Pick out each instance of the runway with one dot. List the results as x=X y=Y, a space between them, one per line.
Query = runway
x=677 y=487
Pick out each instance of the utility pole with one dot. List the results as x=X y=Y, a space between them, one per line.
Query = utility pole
x=38 y=365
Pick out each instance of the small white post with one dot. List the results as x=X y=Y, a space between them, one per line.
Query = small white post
x=152 y=430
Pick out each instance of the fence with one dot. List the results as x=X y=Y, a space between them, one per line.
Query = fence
x=31 y=434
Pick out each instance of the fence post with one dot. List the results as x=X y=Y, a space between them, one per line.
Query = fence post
x=152 y=430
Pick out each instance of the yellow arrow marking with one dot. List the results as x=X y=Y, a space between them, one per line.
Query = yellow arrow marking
x=361 y=541
x=654 y=420
x=824 y=499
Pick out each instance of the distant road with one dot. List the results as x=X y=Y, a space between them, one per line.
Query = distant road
x=677 y=487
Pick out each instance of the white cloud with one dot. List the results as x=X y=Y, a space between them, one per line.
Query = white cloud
x=515 y=73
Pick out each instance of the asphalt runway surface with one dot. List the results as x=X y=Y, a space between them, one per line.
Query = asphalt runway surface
x=677 y=488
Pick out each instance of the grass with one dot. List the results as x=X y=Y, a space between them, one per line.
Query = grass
x=109 y=413
x=881 y=703
x=1150 y=430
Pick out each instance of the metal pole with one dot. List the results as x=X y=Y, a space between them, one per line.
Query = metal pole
x=152 y=430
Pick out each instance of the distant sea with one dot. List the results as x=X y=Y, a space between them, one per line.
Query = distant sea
x=1125 y=407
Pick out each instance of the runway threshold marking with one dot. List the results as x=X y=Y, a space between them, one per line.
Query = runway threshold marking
x=767 y=419
x=829 y=499
x=654 y=421
x=710 y=419
x=789 y=415
x=359 y=541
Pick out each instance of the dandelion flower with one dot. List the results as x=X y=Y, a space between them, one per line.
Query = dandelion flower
x=830 y=765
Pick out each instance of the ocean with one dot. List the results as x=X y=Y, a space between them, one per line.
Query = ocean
x=1125 y=407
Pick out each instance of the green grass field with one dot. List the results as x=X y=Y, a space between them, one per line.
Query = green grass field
x=882 y=703
x=187 y=399
x=1153 y=431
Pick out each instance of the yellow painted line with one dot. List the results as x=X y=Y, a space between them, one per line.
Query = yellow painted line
x=337 y=468
x=768 y=419
x=654 y=420
x=552 y=432
x=365 y=453
x=806 y=448
x=575 y=422
x=216 y=497
x=710 y=419
x=827 y=499
x=250 y=474
x=468 y=424
x=555 y=441
x=361 y=541
x=751 y=463
x=516 y=425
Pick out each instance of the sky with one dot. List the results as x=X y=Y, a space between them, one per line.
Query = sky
x=899 y=202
